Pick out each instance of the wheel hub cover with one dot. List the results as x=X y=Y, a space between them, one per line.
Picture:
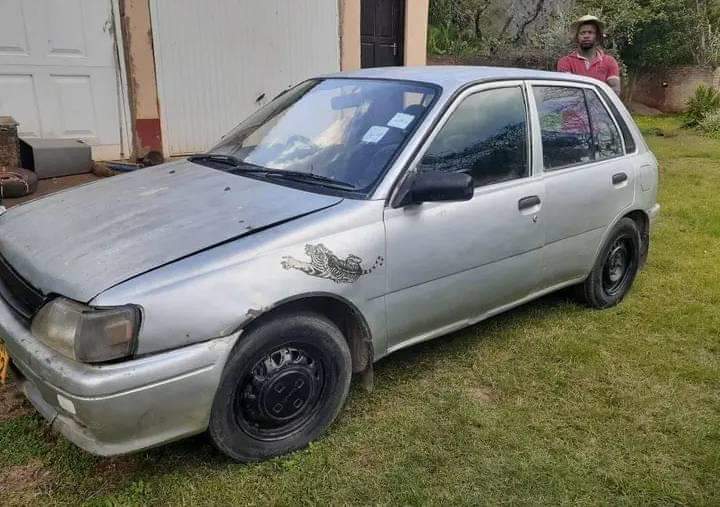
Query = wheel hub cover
x=286 y=394
x=282 y=389
x=617 y=266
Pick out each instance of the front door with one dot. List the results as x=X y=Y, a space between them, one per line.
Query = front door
x=58 y=75
x=381 y=31
x=450 y=263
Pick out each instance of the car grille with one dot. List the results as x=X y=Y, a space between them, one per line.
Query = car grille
x=20 y=295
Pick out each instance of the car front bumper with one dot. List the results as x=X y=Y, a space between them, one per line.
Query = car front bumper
x=123 y=407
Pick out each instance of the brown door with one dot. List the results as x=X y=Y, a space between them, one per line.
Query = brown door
x=381 y=30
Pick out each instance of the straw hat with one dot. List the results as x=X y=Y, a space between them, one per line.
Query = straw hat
x=584 y=20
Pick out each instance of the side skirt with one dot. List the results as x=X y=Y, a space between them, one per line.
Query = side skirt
x=469 y=322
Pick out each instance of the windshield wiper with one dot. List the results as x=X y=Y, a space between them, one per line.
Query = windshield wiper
x=220 y=159
x=240 y=166
x=245 y=167
x=309 y=177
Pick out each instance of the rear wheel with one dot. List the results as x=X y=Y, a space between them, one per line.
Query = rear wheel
x=616 y=267
x=283 y=385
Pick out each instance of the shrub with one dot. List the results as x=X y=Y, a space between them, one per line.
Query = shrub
x=705 y=100
x=710 y=125
x=445 y=40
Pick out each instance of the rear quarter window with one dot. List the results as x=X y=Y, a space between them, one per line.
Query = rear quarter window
x=605 y=135
x=630 y=145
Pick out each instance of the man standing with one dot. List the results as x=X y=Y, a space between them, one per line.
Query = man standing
x=589 y=59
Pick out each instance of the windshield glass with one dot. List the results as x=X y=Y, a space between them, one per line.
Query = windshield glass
x=339 y=130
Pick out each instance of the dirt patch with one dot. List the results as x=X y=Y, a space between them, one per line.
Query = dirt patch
x=21 y=484
x=116 y=470
x=482 y=394
x=12 y=402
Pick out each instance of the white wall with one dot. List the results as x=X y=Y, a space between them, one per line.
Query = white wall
x=214 y=58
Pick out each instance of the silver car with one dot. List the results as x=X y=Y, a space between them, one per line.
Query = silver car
x=356 y=214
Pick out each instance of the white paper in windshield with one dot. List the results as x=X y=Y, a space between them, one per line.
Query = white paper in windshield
x=401 y=121
x=374 y=134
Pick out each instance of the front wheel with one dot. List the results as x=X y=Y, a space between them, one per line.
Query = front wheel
x=615 y=268
x=284 y=384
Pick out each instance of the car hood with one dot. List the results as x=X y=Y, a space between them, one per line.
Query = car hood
x=82 y=241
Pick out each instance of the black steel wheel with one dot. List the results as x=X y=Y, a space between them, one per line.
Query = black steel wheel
x=283 y=385
x=618 y=264
x=615 y=268
x=282 y=390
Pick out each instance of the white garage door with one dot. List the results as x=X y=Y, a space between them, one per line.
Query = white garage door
x=57 y=71
x=218 y=60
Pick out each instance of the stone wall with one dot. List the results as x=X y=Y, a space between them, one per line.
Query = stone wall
x=9 y=148
x=669 y=89
x=521 y=59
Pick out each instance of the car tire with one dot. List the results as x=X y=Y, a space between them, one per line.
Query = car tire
x=615 y=268
x=285 y=382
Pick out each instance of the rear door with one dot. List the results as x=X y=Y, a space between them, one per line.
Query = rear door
x=450 y=263
x=588 y=179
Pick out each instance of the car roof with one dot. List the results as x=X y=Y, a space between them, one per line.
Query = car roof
x=451 y=77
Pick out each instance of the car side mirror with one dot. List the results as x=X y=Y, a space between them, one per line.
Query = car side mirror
x=438 y=186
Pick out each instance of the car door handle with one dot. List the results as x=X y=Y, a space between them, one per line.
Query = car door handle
x=619 y=178
x=528 y=202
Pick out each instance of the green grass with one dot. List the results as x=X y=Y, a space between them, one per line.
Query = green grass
x=663 y=125
x=550 y=403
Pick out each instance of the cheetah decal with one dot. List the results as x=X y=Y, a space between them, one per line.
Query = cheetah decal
x=325 y=264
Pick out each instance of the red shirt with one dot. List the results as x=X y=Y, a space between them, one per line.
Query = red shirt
x=602 y=67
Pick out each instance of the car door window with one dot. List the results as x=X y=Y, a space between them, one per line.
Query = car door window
x=564 y=125
x=605 y=135
x=486 y=137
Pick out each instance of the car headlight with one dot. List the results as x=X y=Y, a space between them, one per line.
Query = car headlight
x=87 y=334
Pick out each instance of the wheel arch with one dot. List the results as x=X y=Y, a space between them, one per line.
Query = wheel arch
x=641 y=218
x=343 y=313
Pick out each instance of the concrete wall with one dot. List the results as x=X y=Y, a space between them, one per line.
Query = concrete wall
x=349 y=34
x=416 y=21
x=669 y=89
x=137 y=35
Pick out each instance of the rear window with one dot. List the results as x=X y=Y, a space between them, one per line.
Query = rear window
x=565 y=126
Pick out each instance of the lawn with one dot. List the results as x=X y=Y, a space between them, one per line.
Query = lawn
x=549 y=403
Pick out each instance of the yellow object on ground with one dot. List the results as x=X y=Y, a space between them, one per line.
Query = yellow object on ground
x=4 y=362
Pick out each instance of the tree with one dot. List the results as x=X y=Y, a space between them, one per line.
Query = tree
x=643 y=33
x=649 y=33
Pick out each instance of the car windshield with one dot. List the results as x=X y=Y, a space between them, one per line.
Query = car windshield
x=331 y=132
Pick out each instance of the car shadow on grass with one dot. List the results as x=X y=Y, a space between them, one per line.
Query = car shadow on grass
x=429 y=353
